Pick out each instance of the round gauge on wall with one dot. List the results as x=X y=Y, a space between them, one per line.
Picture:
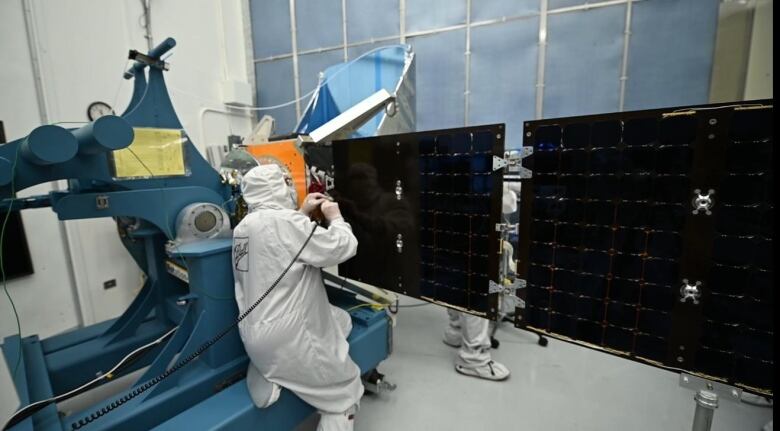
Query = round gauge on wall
x=96 y=110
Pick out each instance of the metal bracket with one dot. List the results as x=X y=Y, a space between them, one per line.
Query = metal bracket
x=690 y=291
x=149 y=61
x=399 y=243
x=499 y=163
x=506 y=227
x=702 y=202
x=513 y=162
x=723 y=390
x=494 y=287
x=399 y=190
x=101 y=202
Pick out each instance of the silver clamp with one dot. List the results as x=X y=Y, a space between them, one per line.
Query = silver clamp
x=702 y=202
x=695 y=383
x=494 y=287
x=512 y=161
x=690 y=291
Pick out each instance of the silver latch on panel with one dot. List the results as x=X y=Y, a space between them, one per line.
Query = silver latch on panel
x=399 y=243
x=399 y=190
x=702 y=202
x=101 y=202
x=690 y=291
x=512 y=161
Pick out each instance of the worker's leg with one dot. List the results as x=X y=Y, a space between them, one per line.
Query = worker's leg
x=474 y=353
x=338 y=421
x=343 y=421
x=452 y=333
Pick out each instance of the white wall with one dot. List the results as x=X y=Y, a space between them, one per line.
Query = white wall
x=82 y=47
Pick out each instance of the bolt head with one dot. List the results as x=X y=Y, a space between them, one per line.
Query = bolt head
x=680 y=359
x=713 y=121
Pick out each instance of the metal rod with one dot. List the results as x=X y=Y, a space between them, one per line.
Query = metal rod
x=541 y=59
x=402 y=20
x=296 y=76
x=624 y=65
x=706 y=403
x=344 y=28
x=467 y=89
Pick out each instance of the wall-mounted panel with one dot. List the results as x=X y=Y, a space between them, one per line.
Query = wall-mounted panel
x=584 y=56
x=270 y=27
x=432 y=14
x=318 y=24
x=670 y=53
x=362 y=22
x=504 y=53
x=441 y=79
x=279 y=72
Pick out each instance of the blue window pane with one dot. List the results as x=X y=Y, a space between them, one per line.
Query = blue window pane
x=275 y=86
x=318 y=23
x=670 y=53
x=362 y=22
x=584 y=56
x=503 y=76
x=431 y=14
x=270 y=27
x=491 y=9
x=440 y=79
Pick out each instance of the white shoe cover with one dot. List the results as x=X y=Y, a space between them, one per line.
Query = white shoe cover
x=491 y=371
x=344 y=421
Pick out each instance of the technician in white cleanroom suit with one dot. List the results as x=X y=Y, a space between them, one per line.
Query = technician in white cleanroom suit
x=295 y=338
x=471 y=334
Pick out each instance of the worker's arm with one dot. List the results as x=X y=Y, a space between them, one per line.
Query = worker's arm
x=327 y=246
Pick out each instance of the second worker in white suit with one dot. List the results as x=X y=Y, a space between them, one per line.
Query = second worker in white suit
x=471 y=334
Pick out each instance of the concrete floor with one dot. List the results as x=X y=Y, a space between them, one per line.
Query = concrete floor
x=558 y=387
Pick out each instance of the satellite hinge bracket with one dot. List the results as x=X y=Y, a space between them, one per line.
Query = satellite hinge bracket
x=696 y=383
x=512 y=161
x=506 y=227
x=494 y=287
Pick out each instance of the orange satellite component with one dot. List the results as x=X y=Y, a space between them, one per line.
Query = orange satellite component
x=288 y=157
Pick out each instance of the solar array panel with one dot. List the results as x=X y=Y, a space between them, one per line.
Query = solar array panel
x=424 y=207
x=648 y=234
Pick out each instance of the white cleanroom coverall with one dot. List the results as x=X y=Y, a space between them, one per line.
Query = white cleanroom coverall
x=295 y=338
x=471 y=333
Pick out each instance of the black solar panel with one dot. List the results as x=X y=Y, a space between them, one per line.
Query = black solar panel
x=438 y=191
x=648 y=234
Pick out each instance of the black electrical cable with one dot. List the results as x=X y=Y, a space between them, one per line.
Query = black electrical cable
x=203 y=347
x=133 y=356
x=32 y=408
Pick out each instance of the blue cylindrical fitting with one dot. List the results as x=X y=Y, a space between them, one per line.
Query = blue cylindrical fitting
x=108 y=133
x=47 y=145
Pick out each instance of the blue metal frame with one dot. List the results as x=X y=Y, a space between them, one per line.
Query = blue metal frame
x=210 y=391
